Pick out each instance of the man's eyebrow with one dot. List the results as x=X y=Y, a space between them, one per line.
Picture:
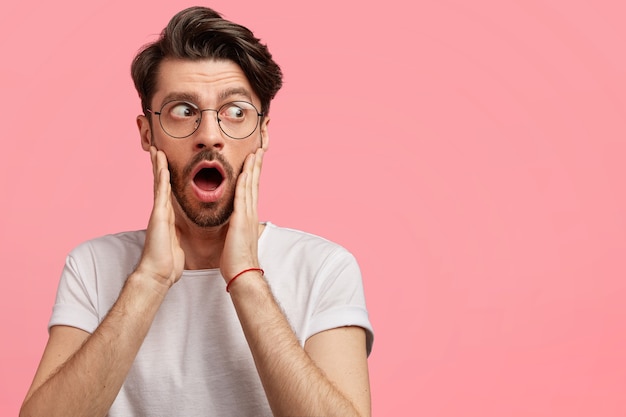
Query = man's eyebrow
x=237 y=91
x=180 y=96
x=194 y=98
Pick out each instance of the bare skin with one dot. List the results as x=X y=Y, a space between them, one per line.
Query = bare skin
x=80 y=374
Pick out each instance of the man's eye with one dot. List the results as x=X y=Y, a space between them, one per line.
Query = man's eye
x=234 y=112
x=182 y=110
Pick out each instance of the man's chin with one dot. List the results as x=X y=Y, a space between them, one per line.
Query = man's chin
x=208 y=217
x=203 y=214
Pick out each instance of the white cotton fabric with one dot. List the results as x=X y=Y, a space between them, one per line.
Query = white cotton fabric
x=195 y=359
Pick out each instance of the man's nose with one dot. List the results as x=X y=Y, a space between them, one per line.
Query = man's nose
x=209 y=134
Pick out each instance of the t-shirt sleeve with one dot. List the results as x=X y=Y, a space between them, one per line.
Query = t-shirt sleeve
x=340 y=299
x=76 y=299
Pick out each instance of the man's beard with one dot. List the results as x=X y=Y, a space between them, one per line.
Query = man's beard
x=200 y=213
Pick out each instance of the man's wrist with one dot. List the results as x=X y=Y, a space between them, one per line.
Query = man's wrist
x=147 y=284
x=245 y=271
x=251 y=282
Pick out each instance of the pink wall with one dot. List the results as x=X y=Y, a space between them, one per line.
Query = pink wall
x=471 y=154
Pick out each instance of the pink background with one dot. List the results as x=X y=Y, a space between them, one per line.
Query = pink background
x=470 y=154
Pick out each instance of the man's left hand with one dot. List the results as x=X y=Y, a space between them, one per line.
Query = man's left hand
x=240 y=246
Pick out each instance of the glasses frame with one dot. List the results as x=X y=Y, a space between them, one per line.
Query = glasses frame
x=199 y=120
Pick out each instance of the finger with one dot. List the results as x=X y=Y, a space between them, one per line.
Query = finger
x=161 y=160
x=153 y=151
x=241 y=183
x=162 y=196
x=247 y=169
x=162 y=178
x=248 y=165
x=155 y=178
x=249 y=183
x=240 y=193
x=256 y=177
x=172 y=225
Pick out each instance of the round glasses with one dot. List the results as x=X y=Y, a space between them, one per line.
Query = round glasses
x=180 y=119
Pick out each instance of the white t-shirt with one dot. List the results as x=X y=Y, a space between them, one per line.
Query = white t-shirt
x=195 y=359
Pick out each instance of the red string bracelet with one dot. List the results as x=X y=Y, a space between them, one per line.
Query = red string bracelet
x=240 y=274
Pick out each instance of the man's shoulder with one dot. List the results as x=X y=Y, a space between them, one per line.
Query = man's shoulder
x=129 y=242
x=285 y=239
x=291 y=236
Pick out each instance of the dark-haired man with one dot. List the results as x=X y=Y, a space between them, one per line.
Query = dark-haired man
x=142 y=324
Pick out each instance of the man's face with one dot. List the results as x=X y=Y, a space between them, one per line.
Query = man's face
x=204 y=166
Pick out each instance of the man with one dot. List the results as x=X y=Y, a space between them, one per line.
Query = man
x=142 y=324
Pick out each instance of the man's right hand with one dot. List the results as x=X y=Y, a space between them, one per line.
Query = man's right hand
x=162 y=258
x=81 y=374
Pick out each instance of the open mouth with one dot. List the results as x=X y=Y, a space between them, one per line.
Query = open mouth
x=208 y=179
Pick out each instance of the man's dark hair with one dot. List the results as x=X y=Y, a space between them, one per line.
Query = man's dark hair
x=199 y=33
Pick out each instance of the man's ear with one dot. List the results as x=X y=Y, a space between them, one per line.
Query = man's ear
x=265 y=135
x=145 y=132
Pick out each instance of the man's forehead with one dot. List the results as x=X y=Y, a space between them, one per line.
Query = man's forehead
x=199 y=80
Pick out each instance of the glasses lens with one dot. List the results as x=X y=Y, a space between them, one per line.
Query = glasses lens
x=238 y=119
x=179 y=118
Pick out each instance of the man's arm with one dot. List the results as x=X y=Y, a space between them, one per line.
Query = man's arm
x=83 y=379
x=342 y=355
x=81 y=374
x=329 y=376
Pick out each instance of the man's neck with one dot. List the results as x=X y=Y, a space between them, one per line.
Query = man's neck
x=202 y=246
